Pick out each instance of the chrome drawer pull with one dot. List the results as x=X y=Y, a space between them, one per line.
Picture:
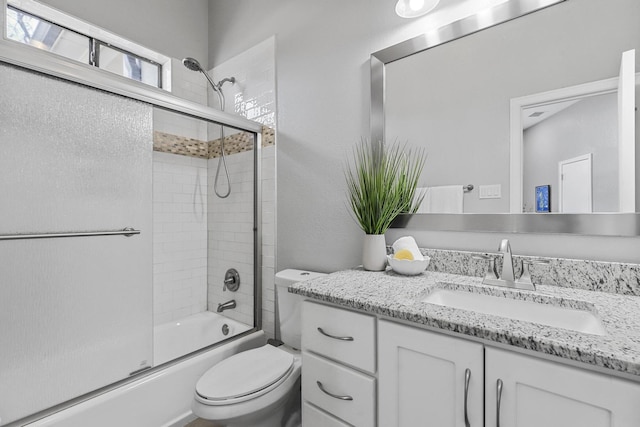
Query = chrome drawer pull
x=467 y=378
x=335 y=396
x=334 y=337
x=498 y=399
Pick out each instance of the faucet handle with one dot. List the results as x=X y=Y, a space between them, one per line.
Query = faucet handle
x=491 y=272
x=525 y=277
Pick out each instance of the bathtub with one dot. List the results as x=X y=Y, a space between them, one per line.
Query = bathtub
x=161 y=398
x=174 y=339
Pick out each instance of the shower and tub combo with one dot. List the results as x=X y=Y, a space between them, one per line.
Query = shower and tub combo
x=120 y=324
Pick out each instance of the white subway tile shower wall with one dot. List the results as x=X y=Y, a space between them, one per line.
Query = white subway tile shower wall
x=176 y=124
x=180 y=210
x=179 y=236
x=254 y=93
x=268 y=239
x=231 y=236
x=188 y=84
x=253 y=96
x=181 y=187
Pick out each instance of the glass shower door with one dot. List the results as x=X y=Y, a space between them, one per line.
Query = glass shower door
x=76 y=311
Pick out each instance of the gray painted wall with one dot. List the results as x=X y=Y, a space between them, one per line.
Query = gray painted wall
x=173 y=28
x=322 y=63
x=322 y=95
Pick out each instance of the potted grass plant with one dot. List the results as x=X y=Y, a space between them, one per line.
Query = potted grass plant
x=381 y=184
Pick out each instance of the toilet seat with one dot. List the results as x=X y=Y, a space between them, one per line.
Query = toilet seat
x=244 y=376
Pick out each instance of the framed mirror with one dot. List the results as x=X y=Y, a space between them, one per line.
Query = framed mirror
x=451 y=91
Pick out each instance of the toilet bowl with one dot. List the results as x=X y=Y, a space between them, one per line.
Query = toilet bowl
x=252 y=388
x=259 y=387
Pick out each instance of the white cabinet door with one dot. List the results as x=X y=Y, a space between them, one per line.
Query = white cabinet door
x=423 y=381
x=537 y=392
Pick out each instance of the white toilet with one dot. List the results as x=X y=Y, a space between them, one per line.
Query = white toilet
x=259 y=387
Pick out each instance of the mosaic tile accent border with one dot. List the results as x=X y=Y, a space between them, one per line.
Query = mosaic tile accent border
x=237 y=143
x=611 y=277
x=174 y=144
x=233 y=144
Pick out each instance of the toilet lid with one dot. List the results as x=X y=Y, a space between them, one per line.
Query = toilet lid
x=245 y=373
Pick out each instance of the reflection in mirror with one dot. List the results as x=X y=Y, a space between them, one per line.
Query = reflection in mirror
x=575 y=141
x=572 y=147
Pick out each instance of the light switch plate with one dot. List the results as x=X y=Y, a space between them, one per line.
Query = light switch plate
x=491 y=191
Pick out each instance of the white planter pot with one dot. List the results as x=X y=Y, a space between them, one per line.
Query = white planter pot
x=374 y=252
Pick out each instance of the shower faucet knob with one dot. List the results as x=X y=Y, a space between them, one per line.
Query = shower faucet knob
x=231 y=280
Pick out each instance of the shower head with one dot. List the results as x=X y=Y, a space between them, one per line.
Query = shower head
x=192 y=64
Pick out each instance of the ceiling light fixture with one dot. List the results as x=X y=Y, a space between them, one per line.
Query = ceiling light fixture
x=415 y=8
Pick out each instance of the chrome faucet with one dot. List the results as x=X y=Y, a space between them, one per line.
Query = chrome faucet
x=507 y=262
x=507 y=277
x=226 y=306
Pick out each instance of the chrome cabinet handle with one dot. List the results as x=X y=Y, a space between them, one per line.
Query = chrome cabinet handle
x=499 y=398
x=467 y=378
x=334 y=337
x=328 y=393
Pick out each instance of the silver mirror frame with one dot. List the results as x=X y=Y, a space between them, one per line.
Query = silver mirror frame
x=613 y=224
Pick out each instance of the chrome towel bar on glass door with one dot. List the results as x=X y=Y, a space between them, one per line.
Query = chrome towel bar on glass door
x=128 y=232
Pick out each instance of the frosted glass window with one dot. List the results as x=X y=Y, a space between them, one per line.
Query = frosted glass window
x=34 y=31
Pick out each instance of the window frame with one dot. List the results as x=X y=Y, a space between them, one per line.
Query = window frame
x=96 y=37
x=94 y=58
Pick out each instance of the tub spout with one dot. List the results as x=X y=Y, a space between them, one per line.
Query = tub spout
x=226 y=306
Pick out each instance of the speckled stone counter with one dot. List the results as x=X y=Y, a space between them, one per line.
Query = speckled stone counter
x=395 y=296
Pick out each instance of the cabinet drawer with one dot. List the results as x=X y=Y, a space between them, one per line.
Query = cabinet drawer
x=314 y=417
x=341 y=335
x=357 y=390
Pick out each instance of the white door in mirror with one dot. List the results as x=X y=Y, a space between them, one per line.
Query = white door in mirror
x=575 y=195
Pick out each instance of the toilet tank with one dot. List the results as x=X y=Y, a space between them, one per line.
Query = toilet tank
x=289 y=306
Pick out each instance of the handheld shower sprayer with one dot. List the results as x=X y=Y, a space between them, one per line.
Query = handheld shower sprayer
x=193 y=65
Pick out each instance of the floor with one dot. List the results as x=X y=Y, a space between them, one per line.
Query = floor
x=201 y=423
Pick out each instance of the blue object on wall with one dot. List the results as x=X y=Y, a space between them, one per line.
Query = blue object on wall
x=543 y=198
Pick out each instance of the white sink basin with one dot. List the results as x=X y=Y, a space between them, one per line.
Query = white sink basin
x=544 y=314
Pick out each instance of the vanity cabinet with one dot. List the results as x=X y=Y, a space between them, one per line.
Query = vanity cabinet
x=427 y=378
x=422 y=377
x=532 y=392
x=338 y=366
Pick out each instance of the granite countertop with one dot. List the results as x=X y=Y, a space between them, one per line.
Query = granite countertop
x=392 y=295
